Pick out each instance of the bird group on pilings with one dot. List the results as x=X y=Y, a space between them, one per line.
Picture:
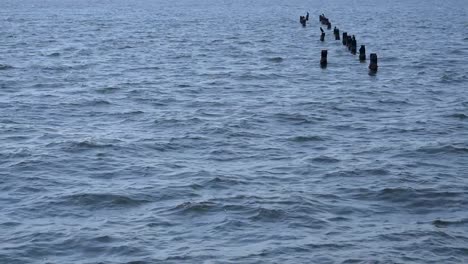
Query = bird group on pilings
x=351 y=44
x=348 y=40
x=325 y=21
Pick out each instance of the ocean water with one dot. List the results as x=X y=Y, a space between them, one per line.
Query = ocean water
x=204 y=131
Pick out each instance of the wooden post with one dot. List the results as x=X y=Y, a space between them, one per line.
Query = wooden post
x=303 y=20
x=373 y=62
x=337 y=33
x=323 y=59
x=353 y=45
x=362 y=53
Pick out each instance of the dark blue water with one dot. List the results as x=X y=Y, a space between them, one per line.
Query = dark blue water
x=206 y=132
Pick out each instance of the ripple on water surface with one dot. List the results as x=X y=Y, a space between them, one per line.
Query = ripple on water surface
x=206 y=132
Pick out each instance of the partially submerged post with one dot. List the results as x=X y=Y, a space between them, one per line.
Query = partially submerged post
x=373 y=62
x=336 y=31
x=303 y=20
x=353 y=45
x=362 y=53
x=345 y=38
x=323 y=59
x=322 y=36
x=349 y=42
x=328 y=25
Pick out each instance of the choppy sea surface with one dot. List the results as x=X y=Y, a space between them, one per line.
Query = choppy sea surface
x=204 y=131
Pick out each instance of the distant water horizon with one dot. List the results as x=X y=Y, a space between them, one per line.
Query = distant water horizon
x=206 y=132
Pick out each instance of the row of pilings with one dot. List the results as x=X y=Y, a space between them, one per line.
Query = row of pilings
x=348 y=40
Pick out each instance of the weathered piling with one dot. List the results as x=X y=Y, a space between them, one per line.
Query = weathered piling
x=328 y=25
x=302 y=20
x=345 y=38
x=353 y=45
x=323 y=59
x=336 y=31
x=307 y=16
x=322 y=36
x=362 y=53
x=373 y=62
x=349 y=42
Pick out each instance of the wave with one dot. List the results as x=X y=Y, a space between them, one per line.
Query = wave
x=177 y=121
x=87 y=103
x=102 y=200
x=268 y=215
x=250 y=76
x=145 y=68
x=78 y=146
x=5 y=67
x=447 y=149
x=10 y=224
x=452 y=78
x=162 y=146
x=394 y=101
x=107 y=90
x=97 y=102
x=359 y=173
x=54 y=54
x=447 y=223
x=140 y=262
x=62 y=68
x=416 y=200
x=306 y=138
x=389 y=59
x=125 y=47
x=196 y=208
x=400 y=130
x=457 y=52
x=128 y=113
x=400 y=192
x=89 y=145
x=275 y=59
x=230 y=224
x=222 y=183
x=245 y=134
x=458 y=116
x=224 y=155
x=325 y=159
x=296 y=118
x=244 y=42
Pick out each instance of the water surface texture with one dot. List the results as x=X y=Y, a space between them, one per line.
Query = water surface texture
x=204 y=131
